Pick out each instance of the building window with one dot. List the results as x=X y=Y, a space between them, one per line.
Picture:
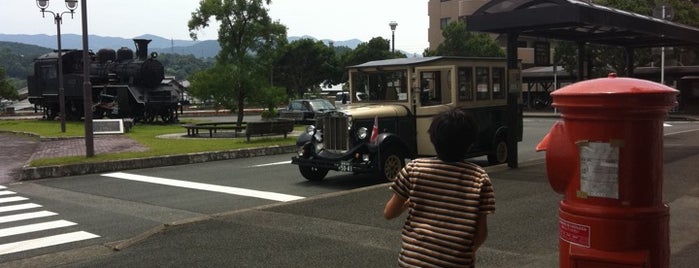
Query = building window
x=443 y=22
x=542 y=53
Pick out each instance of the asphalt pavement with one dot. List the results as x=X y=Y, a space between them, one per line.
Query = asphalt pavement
x=346 y=229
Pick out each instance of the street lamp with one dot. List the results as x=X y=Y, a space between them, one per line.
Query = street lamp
x=393 y=25
x=58 y=19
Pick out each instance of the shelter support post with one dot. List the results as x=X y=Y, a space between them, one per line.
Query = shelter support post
x=514 y=117
x=581 y=61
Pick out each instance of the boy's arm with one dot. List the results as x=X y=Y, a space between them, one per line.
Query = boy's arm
x=395 y=206
x=481 y=231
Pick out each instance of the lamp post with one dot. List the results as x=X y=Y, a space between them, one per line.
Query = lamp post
x=87 y=87
x=58 y=19
x=393 y=25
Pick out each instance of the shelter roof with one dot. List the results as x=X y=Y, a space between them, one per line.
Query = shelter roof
x=579 y=21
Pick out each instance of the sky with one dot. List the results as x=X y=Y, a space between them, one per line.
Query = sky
x=322 y=19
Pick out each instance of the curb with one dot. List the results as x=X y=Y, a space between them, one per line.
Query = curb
x=33 y=173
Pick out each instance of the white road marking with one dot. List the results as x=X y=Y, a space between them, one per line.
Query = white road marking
x=273 y=164
x=35 y=227
x=12 y=199
x=681 y=132
x=19 y=207
x=205 y=187
x=26 y=216
x=45 y=242
x=7 y=193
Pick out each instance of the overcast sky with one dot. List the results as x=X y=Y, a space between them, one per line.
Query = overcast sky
x=322 y=19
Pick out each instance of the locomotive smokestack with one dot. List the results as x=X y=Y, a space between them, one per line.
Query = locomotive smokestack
x=142 y=48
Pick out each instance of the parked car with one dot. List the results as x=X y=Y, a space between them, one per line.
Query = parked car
x=305 y=110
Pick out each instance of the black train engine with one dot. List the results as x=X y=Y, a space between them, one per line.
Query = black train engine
x=123 y=86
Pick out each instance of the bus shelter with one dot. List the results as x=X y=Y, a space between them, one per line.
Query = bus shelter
x=581 y=22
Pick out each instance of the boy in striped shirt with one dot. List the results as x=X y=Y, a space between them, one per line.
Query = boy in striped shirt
x=448 y=198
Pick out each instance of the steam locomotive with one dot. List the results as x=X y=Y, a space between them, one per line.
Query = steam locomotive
x=123 y=86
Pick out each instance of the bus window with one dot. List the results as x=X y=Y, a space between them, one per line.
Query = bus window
x=482 y=85
x=380 y=86
x=465 y=80
x=430 y=88
x=498 y=83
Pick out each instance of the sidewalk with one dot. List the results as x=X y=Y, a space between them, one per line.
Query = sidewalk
x=346 y=229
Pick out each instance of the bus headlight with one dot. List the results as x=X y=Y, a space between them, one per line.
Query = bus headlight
x=311 y=130
x=362 y=133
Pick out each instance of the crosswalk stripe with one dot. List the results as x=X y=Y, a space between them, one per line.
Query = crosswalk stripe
x=7 y=193
x=35 y=227
x=12 y=199
x=205 y=187
x=3 y=187
x=45 y=242
x=26 y=216
x=19 y=207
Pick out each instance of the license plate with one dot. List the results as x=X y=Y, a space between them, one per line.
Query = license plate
x=345 y=166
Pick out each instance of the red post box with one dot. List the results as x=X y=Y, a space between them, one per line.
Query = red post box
x=606 y=158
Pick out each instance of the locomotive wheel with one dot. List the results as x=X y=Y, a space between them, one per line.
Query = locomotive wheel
x=51 y=113
x=148 y=117
x=168 y=116
x=392 y=161
x=313 y=173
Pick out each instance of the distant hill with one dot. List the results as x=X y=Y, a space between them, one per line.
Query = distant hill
x=202 y=49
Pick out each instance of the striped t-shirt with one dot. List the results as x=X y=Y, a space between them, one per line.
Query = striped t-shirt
x=445 y=200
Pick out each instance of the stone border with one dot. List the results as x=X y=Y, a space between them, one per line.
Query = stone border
x=33 y=173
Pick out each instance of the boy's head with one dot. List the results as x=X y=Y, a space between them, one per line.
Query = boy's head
x=452 y=132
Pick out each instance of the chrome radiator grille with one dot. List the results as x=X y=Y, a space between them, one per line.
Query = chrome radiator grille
x=335 y=132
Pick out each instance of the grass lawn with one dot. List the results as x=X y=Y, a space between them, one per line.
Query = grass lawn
x=146 y=135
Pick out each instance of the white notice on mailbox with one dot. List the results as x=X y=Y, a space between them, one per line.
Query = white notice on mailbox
x=599 y=169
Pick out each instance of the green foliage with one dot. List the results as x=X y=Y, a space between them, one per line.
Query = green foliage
x=7 y=90
x=269 y=98
x=17 y=58
x=182 y=66
x=249 y=42
x=377 y=48
x=303 y=65
x=460 y=42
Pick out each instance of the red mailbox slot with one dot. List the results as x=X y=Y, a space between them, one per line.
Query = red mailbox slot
x=606 y=157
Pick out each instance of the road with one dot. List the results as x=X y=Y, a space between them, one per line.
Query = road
x=46 y=217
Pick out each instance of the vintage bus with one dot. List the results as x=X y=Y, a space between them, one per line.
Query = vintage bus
x=399 y=97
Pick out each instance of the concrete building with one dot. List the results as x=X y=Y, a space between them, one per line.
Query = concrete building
x=532 y=52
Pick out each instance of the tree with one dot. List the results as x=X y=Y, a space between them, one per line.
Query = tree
x=182 y=66
x=248 y=39
x=7 y=90
x=460 y=42
x=304 y=64
x=377 y=48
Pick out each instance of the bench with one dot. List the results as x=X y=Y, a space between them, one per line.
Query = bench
x=213 y=127
x=279 y=126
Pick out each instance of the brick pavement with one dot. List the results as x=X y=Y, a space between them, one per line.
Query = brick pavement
x=76 y=146
x=16 y=150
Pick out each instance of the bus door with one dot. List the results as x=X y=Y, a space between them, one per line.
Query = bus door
x=434 y=94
